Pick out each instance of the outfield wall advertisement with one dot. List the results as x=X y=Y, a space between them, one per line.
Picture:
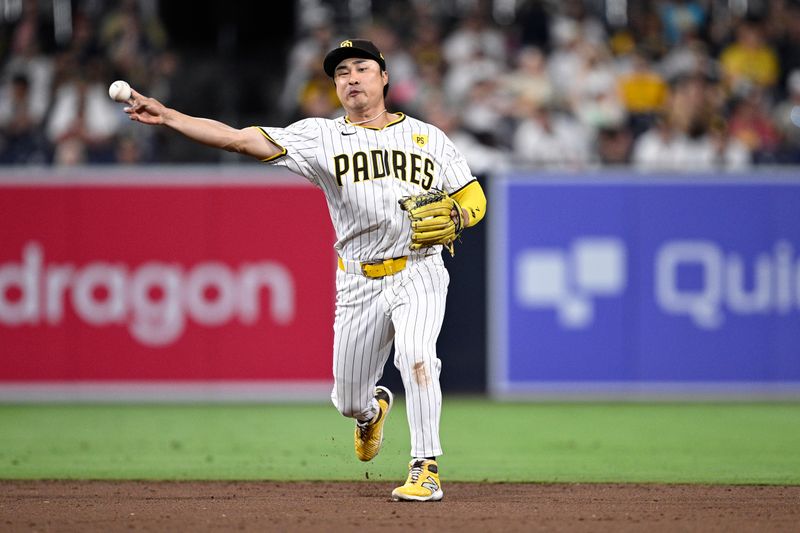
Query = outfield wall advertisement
x=634 y=284
x=166 y=283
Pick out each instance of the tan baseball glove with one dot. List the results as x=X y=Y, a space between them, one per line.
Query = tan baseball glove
x=436 y=218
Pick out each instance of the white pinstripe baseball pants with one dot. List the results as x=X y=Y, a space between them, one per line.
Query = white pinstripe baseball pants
x=408 y=308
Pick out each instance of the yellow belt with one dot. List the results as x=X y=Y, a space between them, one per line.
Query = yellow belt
x=380 y=269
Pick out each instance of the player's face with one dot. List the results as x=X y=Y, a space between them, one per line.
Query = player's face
x=359 y=83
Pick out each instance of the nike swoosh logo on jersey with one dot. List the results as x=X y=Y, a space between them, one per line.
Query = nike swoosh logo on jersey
x=350 y=133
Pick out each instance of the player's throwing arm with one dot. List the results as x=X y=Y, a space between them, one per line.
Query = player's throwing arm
x=246 y=141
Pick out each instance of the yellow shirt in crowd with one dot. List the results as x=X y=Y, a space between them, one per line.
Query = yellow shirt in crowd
x=759 y=65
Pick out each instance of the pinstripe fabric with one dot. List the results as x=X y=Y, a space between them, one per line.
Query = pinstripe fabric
x=365 y=213
x=409 y=308
x=417 y=312
x=363 y=173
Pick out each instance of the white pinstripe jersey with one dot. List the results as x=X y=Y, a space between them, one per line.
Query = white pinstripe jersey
x=365 y=171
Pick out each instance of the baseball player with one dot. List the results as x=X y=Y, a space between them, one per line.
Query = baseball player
x=391 y=282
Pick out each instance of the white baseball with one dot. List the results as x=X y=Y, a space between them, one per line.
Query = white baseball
x=119 y=91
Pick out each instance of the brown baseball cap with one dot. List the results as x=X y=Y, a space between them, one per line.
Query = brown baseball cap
x=352 y=48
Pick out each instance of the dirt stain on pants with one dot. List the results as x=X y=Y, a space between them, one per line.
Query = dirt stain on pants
x=421 y=376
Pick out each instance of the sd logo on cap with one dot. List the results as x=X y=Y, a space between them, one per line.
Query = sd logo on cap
x=352 y=48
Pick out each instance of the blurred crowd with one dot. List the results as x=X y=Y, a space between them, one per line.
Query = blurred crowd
x=54 y=104
x=657 y=84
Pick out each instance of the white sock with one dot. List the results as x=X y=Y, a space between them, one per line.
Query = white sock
x=376 y=409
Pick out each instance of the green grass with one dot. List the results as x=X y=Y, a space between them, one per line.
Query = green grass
x=538 y=442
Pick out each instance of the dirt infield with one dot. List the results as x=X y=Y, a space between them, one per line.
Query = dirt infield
x=89 y=506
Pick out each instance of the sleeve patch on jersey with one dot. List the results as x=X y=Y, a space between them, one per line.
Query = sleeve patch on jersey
x=420 y=139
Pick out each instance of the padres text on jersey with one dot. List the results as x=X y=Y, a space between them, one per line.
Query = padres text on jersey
x=363 y=166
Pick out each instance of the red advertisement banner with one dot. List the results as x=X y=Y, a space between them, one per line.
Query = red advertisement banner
x=165 y=279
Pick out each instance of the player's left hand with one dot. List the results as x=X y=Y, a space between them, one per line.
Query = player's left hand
x=436 y=218
x=463 y=216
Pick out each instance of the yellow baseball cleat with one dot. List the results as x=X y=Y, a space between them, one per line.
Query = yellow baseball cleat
x=423 y=483
x=369 y=437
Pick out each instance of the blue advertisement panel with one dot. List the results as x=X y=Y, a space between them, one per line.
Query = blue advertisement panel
x=635 y=284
